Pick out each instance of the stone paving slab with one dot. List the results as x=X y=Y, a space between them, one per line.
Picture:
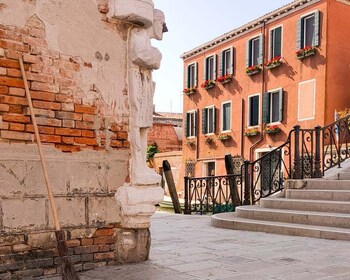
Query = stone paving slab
x=187 y=247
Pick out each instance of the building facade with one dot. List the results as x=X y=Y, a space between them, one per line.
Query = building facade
x=245 y=90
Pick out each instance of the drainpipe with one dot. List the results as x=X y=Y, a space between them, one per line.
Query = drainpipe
x=263 y=87
x=242 y=128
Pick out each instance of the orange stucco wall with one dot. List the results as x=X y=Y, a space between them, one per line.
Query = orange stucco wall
x=287 y=76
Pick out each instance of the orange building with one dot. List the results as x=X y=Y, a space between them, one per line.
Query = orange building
x=245 y=90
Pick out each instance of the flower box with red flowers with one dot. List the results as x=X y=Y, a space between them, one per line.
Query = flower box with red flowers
x=208 y=84
x=272 y=129
x=190 y=91
x=305 y=52
x=273 y=63
x=251 y=132
x=224 y=136
x=253 y=70
x=224 y=79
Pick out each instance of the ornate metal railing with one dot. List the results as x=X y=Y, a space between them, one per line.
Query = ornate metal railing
x=211 y=194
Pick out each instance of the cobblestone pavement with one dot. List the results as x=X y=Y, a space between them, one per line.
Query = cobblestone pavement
x=187 y=247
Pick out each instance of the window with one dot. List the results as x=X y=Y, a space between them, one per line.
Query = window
x=190 y=128
x=226 y=116
x=308 y=30
x=208 y=120
x=210 y=68
x=273 y=106
x=306 y=100
x=276 y=42
x=226 y=62
x=209 y=168
x=254 y=51
x=191 y=75
x=190 y=168
x=253 y=110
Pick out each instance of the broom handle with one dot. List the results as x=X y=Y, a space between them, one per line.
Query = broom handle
x=38 y=141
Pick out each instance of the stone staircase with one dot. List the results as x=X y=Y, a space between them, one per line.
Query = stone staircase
x=314 y=208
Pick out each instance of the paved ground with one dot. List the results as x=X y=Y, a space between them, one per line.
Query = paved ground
x=187 y=247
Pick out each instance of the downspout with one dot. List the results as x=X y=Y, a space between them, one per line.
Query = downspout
x=263 y=86
x=242 y=128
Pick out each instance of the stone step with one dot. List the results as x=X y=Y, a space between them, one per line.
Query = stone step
x=230 y=221
x=320 y=184
x=335 y=195
x=292 y=216
x=344 y=175
x=306 y=205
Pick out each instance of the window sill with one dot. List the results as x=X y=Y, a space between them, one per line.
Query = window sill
x=253 y=72
x=303 y=55
x=209 y=87
x=275 y=131
x=274 y=65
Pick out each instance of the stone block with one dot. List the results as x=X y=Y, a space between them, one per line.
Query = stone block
x=32 y=213
x=11 y=177
x=82 y=233
x=71 y=211
x=133 y=245
x=11 y=239
x=42 y=240
x=103 y=210
x=116 y=172
x=86 y=177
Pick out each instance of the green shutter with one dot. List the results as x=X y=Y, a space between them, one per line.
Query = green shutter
x=317 y=29
x=186 y=128
x=247 y=54
x=215 y=66
x=216 y=115
x=232 y=60
x=187 y=78
x=204 y=121
x=261 y=49
x=196 y=122
x=281 y=99
x=196 y=74
x=205 y=69
x=299 y=33
x=221 y=63
x=266 y=107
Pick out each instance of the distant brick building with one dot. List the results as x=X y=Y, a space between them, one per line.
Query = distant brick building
x=288 y=67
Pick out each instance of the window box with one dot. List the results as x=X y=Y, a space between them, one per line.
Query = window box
x=209 y=140
x=191 y=144
x=252 y=70
x=251 y=132
x=273 y=63
x=224 y=79
x=272 y=129
x=190 y=91
x=223 y=137
x=305 y=52
x=208 y=84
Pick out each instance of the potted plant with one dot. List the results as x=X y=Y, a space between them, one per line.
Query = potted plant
x=251 y=132
x=224 y=136
x=273 y=63
x=253 y=70
x=190 y=91
x=208 y=84
x=306 y=51
x=272 y=129
x=224 y=79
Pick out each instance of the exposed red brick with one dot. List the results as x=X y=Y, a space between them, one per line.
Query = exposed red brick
x=87 y=241
x=31 y=58
x=104 y=240
x=115 y=128
x=116 y=143
x=85 y=141
x=87 y=133
x=34 y=41
x=68 y=148
x=41 y=112
x=42 y=95
x=70 y=141
x=68 y=123
x=126 y=144
x=42 y=129
x=88 y=118
x=15 y=135
x=66 y=74
x=68 y=131
x=88 y=64
x=85 y=109
x=104 y=248
x=39 y=77
x=84 y=125
x=69 y=116
x=73 y=243
x=14 y=73
x=68 y=107
x=64 y=82
x=63 y=98
x=36 y=33
x=104 y=9
x=17 y=126
x=16 y=109
x=11 y=82
x=50 y=138
x=46 y=105
x=104 y=256
x=17 y=91
x=45 y=87
x=15 y=118
x=4 y=108
x=102 y=232
x=12 y=54
x=4 y=90
x=9 y=63
x=122 y=135
x=13 y=100
x=48 y=122
x=14 y=46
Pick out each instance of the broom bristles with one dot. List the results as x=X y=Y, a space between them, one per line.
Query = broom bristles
x=68 y=271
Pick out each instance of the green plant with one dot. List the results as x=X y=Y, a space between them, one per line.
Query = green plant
x=151 y=151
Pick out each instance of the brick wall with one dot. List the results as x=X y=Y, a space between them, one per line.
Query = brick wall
x=165 y=137
x=66 y=118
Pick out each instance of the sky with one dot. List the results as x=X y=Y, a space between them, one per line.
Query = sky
x=192 y=23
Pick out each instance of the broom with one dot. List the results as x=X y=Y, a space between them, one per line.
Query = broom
x=68 y=271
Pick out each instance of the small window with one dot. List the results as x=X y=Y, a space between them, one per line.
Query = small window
x=191 y=77
x=226 y=66
x=253 y=111
x=191 y=124
x=190 y=168
x=273 y=106
x=308 y=30
x=276 y=42
x=210 y=68
x=226 y=116
x=209 y=168
x=208 y=120
x=254 y=55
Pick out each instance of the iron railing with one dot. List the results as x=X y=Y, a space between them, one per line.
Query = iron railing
x=211 y=194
